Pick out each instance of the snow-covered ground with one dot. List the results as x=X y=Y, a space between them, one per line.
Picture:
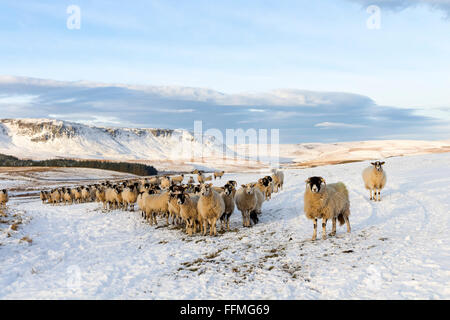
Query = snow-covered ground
x=398 y=248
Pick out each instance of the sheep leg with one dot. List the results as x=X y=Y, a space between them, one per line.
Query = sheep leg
x=314 y=237
x=347 y=222
x=379 y=194
x=370 y=194
x=324 y=228
x=333 y=230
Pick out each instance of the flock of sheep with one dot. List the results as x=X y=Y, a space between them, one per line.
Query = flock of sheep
x=199 y=206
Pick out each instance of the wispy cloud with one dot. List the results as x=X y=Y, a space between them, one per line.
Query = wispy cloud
x=331 y=125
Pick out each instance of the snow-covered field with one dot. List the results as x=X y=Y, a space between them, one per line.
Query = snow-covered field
x=398 y=248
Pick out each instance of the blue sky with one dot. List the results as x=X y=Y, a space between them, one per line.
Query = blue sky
x=236 y=48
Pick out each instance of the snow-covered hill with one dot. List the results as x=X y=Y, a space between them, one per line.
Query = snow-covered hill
x=46 y=138
x=398 y=248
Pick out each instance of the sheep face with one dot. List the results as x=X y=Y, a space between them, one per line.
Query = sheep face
x=181 y=198
x=229 y=188
x=206 y=190
x=378 y=165
x=248 y=188
x=315 y=184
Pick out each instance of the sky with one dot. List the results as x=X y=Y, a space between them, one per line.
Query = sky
x=317 y=70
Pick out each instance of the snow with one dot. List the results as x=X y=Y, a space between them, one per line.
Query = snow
x=398 y=248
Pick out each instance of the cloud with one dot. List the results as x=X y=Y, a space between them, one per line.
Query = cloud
x=329 y=125
x=443 y=5
x=300 y=115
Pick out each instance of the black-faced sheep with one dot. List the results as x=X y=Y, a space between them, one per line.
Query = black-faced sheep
x=322 y=201
x=374 y=179
x=228 y=198
x=188 y=211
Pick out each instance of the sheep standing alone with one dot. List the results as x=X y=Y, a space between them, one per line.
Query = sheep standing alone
x=200 y=178
x=374 y=179
x=218 y=174
x=210 y=208
x=322 y=201
x=178 y=179
x=3 y=198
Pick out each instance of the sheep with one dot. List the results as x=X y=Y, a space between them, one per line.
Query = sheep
x=154 y=204
x=322 y=201
x=259 y=201
x=374 y=179
x=246 y=201
x=173 y=206
x=100 y=196
x=278 y=179
x=55 y=196
x=189 y=212
x=113 y=197
x=218 y=174
x=76 y=194
x=208 y=178
x=178 y=179
x=228 y=198
x=210 y=208
x=44 y=196
x=200 y=178
x=164 y=182
x=153 y=181
x=129 y=197
x=191 y=180
x=265 y=186
x=85 y=194
x=67 y=197
x=4 y=198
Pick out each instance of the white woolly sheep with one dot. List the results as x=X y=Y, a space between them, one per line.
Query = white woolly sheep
x=129 y=197
x=210 y=208
x=246 y=202
x=374 y=179
x=322 y=201
x=154 y=204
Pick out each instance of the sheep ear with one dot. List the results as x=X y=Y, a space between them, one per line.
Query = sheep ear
x=323 y=180
x=307 y=180
x=243 y=186
x=382 y=163
x=372 y=163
